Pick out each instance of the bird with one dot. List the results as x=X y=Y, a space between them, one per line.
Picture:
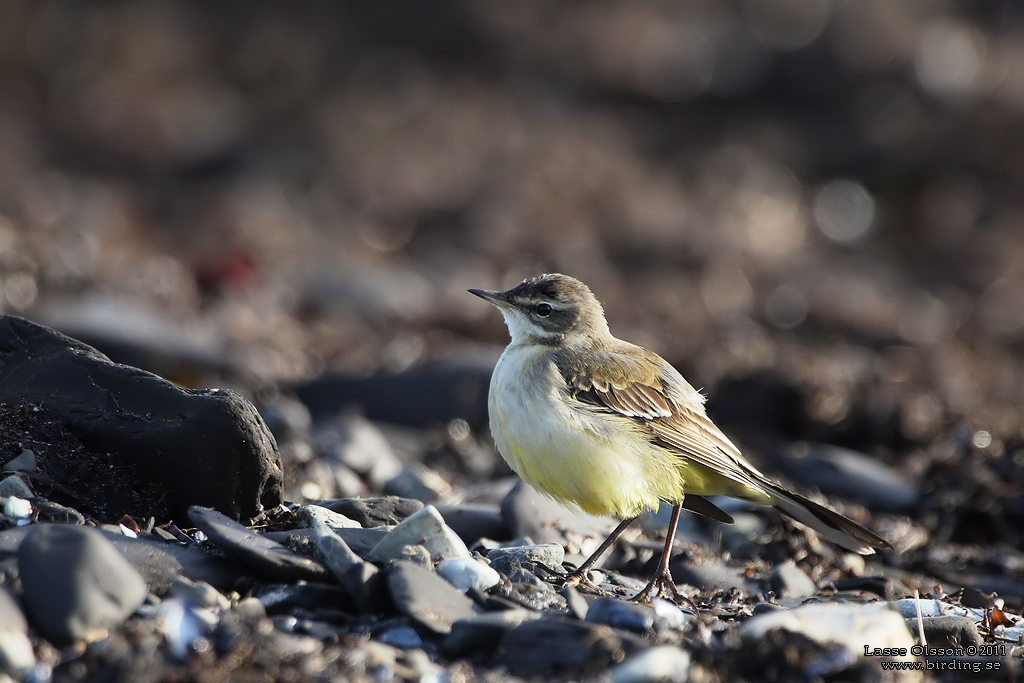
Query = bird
x=611 y=428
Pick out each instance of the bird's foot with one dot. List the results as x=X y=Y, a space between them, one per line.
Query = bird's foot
x=656 y=587
x=579 y=579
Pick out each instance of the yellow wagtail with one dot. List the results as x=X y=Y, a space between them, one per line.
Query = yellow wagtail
x=612 y=428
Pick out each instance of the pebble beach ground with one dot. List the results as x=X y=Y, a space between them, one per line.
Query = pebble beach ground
x=243 y=423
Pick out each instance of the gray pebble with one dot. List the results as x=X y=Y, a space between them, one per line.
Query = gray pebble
x=426 y=598
x=621 y=614
x=424 y=528
x=75 y=583
x=352 y=572
x=335 y=520
x=549 y=554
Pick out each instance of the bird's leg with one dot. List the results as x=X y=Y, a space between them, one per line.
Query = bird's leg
x=662 y=577
x=579 y=575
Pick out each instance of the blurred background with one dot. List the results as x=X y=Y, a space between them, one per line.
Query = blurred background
x=813 y=208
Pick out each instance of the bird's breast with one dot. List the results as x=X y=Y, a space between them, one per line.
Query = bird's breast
x=570 y=451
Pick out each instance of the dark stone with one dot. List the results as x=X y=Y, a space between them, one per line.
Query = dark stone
x=75 y=583
x=373 y=512
x=882 y=586
x=948 y=631
x=160 y=562
x=473 y=522
x=426 y=598
x=166 y=446
x=551 y=646
x=852 y=475
x=430 y=395
x=621 y=614
x=361 y=541
x=483 y=633
x=265 y=558
x=308 y=597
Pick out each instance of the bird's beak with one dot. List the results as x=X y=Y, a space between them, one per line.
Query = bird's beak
x=495 y=298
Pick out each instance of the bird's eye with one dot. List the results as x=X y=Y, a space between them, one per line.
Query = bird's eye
x=544 y=310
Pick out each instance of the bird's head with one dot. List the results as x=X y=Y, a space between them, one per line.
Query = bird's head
x=550 y=309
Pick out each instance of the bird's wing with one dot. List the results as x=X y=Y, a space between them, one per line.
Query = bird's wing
x=642 y=386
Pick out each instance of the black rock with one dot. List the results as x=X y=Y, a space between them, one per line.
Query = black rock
x=75 y=582
x=265 y=558
x=168 y=447
x=550 y=646
x=426 y=598
x=373 y=512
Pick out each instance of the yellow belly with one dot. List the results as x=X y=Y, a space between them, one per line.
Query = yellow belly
x=570 y=453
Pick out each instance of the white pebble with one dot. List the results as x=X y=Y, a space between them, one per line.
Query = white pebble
x=465 y=573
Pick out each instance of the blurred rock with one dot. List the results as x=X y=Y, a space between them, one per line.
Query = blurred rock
x=75 y=583
x=621 y=614
x=475 y=521
x=663 y=663
x=531 y=515
x=430 y=395
x=851 y=626
x=849 y=474
x=222 y=454
x=426 y=598
x=948 y=631
x=546 y=646
x=419 y=483
x=16 y=656
x=789 y=581
x=483 y=633
x=359 y=445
